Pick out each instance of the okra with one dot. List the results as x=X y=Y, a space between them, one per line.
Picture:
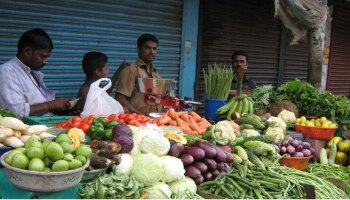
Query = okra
x=234 y=184
x=257 y=193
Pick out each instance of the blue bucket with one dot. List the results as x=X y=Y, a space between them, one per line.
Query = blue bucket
x=211 y=105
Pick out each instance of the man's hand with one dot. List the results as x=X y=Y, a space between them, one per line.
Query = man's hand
x=60 y=104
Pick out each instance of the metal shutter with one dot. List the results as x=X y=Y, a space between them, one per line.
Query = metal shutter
x=338 y=81
x=79 y=26
x=249 y=25
x=296 y=60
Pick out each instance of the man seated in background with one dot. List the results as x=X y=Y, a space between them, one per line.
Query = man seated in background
x=239 y=61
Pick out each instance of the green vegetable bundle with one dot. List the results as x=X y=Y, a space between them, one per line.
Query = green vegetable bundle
x=217 y=79
x=112 y=186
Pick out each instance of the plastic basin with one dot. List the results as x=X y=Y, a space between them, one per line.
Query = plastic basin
x=4 y=150
x=318 y=133
x=91 y=174
x=43 y=181
x=299 y=163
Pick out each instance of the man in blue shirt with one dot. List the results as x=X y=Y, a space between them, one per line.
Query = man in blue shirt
x=21 y=83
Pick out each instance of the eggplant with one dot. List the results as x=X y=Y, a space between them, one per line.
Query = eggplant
x=192 y=172
x=186 y=159
x=208 y=176
x=290 y=149
x=211 y=164
x=196 y=152
x=199 y=180
x=176 y=149
x=200 y=166
x=209 y=151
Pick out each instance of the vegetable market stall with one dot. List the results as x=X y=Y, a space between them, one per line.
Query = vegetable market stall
x=183 y=155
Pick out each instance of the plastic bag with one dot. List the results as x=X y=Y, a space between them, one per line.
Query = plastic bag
x=98 y=102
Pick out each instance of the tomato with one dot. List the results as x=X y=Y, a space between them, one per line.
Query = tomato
x=85 y=127
x=121 y=121
x=112 y=116
x=106 y=119
x=134 y=114
x=129 y=118
x=76 y=119
x=122 y=116
x=133 y=122
x=76 y=124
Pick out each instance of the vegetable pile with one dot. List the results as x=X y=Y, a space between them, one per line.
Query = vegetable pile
x=203 y=161
x=296 y=148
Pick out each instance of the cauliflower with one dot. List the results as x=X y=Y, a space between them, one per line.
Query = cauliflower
x=276 y=132
x=277 y=122
x=249 y=133
x=221 y=133
x=287 y=116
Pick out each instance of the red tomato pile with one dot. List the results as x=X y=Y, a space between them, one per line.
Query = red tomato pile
x=84 y=123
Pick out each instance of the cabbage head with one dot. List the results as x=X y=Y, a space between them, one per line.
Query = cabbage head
x=125 y=165
x=148 y=169
x=158 y=190
x=174 y=169
x=182 y=185
x=156 y=144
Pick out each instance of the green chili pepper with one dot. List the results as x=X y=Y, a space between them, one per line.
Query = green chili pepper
x=97 y=129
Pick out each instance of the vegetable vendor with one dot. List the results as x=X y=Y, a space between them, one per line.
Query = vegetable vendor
x=22 y=89
x=127 y=92
x=240 y=60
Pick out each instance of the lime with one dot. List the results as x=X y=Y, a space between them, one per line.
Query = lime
x=60 y=165
x=67 y=147
x=46 y=169
x=68 y=157
x=20 y=160
x=63 y=138
x=81 y=158
x=84 y=151
x=36 y=144
x=47 y=162
x=45 y=143
x=54 y=151
x=30 y=141
x=22 y=149
x=8 y=158
x=35 y=152
x=36 y=165
x=74 y=164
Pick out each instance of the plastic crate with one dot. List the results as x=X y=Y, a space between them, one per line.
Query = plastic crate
x=45 y=120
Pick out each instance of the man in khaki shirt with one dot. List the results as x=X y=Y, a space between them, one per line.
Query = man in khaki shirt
x=127 y=92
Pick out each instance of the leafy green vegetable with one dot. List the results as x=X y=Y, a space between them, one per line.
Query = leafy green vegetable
x=112 y=186
x=6 y=113
x=262 y=96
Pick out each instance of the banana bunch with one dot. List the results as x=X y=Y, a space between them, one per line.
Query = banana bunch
x=240 y=104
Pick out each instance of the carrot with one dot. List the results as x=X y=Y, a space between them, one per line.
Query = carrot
x=166 y=113
x=172 y=123
x=180 y=122
x=185 y=129
x=195 y=116
x=164 y=120
x=202 y=131
x=194 y=133
x=172 y=113
x=181 y=113
x=202 y=123
x=205 y=126
x=185 y=118
x=193 y=125
x=203 y=120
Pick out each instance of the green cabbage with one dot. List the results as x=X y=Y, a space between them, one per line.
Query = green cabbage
x=182 y=185
x=148 y=169
x=174 y=169
x=159 y=190
x=125 y=165
x=156 y=144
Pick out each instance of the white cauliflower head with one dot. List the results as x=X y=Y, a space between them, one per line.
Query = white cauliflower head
x=278 y=122
x=287 y=116
x=277 y=132
x=226 y=132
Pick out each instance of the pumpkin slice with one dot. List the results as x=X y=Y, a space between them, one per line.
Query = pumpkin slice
x=74 y=137
x=176 y=137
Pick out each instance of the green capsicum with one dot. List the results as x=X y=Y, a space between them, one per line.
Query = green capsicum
x=97 y=129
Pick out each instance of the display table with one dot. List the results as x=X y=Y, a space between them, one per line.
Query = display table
x=10 y=191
